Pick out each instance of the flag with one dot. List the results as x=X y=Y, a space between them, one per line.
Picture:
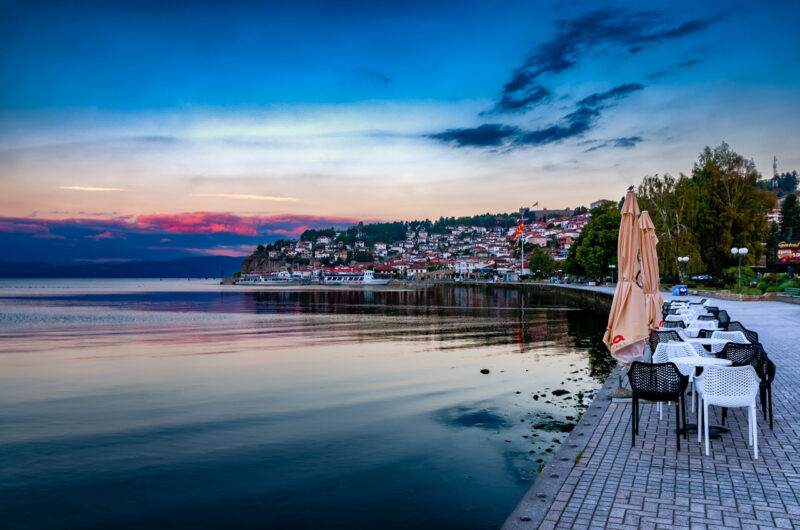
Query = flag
x=535 y=204
x=519 y=228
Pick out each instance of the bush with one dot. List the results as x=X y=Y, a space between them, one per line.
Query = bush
x=731 y=276
x=788 y=284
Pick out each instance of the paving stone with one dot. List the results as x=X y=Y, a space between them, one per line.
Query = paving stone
x=653 y=485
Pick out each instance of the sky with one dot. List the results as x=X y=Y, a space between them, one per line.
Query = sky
x=155 y=130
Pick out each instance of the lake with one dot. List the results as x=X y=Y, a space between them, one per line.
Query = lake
x=141 y=403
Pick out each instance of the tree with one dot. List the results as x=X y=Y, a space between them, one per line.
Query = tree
x=580 y=210
x=790 y=218
x=787 y=182
x=727 y=207
x=541 y=264
x=596 y=247
x=260 y=249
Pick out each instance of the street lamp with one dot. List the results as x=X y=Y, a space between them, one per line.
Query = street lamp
x=612 y=267
x=683 y=260
x=739 y=252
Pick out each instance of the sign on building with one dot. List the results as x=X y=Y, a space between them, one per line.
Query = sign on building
x=789 y=251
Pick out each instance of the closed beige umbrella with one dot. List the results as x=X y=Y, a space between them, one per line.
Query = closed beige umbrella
x=627 y=322
x=652 y=298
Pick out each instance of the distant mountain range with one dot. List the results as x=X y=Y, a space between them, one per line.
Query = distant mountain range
x=196 y=267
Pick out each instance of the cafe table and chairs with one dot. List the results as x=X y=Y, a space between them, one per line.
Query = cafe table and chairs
x=702 y=362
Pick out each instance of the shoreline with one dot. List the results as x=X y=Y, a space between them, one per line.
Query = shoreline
x=614 y=485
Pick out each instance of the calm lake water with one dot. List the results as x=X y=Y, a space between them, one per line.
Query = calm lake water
x=140 y=403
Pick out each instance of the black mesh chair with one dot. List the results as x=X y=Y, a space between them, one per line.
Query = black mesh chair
x=658 y=382
x=712 y=309
x=705 y=333
x=767 y=374
x=750 y=335
x=657 y=337
x=724 y=319
x=755 y=356
x=706 y=317
x=672 y=324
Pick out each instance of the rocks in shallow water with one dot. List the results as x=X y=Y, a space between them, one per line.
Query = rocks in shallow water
x=485 y=371
x=536 y=397
x=560 y=392
x=554 y=426
x=570 y=418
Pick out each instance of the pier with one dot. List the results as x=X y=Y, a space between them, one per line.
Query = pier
x=597 y=480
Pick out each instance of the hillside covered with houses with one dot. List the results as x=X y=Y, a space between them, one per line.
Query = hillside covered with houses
x=487 y=245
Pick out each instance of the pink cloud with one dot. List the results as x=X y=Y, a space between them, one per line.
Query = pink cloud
x=23 y=227
x=106 y=235
x=219 y=250
x=213 y=223
x=48 y=235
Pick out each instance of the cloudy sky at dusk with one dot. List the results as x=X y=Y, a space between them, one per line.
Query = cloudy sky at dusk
x=202 y=127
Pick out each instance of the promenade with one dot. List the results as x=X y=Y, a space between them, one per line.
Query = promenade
x=597 y=480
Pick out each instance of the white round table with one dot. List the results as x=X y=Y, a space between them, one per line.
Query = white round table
x=701 y=361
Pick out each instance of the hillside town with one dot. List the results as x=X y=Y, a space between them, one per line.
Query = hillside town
x=459 y=251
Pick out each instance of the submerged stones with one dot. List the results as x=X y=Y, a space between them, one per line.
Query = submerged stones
x=560 y=392
x=554 y=425
x=484 y=370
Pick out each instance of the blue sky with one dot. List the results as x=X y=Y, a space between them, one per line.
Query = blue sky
x=117 y=110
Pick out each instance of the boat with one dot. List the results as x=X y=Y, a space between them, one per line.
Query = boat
x=345 y=276
x=263 y=278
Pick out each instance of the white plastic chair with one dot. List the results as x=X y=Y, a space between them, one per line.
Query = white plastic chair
x=728 y=387
x=728 y=336
x=731 y=336
x=667 y=351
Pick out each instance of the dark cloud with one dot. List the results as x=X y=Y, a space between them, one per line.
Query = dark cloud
x=373 y=74
x=574 y=124
x=487 y=135
x=615 y=93
x=524 y=99
x=689 y=63
x=198 y=233
x=633 y=31
x=625 y=142
x=656 y=75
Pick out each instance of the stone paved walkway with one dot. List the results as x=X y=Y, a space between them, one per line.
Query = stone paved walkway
x=655 y=486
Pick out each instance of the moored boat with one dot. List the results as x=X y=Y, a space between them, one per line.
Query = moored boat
x=351 y=276
x=264 y=278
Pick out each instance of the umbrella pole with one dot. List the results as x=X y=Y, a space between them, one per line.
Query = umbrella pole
x=621 y=392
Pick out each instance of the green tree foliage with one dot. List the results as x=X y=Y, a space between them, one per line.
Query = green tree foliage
x=312 y=235
x=580 y=210
x=728 y=207
x=787 y=183
x=720 y=206
x=596 y=247
x=362 y=257
x=731 y=276
x=790 y=218
x=541 y=264
x=668 y=201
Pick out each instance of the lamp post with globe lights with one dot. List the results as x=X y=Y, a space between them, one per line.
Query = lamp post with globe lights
x=612 y=267
x=739 y=252
x=683 y=260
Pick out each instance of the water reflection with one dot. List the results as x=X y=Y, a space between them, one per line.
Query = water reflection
x=306 y=408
